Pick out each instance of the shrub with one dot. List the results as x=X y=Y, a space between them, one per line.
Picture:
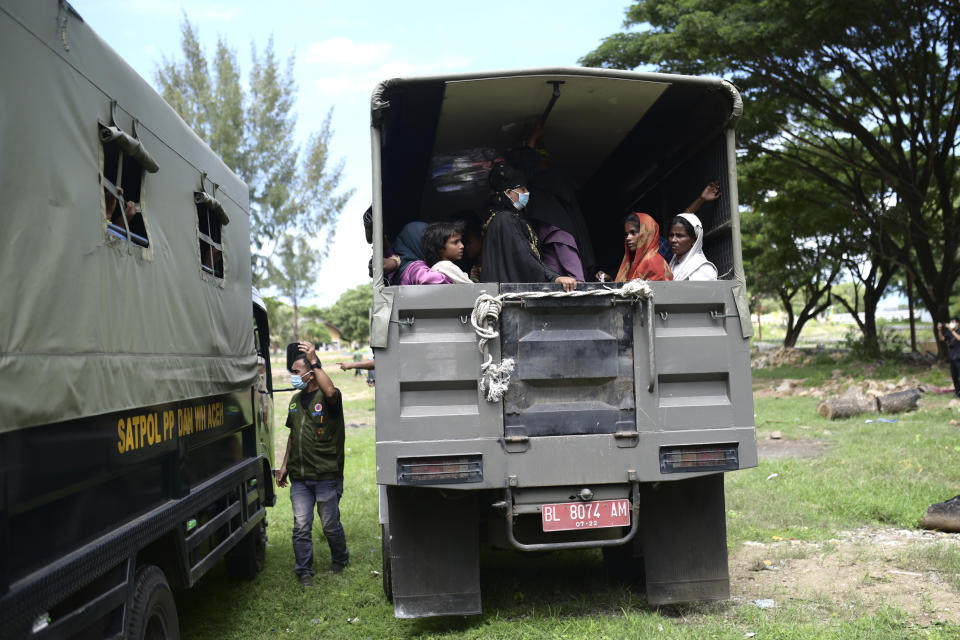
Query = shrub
x=890 y=344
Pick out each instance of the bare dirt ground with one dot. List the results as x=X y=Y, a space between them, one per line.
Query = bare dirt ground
x=837 y=385
x=858 y=572
x=853 y=575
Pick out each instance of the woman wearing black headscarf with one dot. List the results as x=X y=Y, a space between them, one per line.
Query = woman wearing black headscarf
x=511 y=249
x=555 y=212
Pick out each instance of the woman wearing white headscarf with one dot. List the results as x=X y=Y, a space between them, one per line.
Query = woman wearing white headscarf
x=686 y=243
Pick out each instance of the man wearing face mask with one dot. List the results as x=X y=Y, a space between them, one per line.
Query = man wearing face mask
x=950 y=333
x=511 y=248
x=314 y=461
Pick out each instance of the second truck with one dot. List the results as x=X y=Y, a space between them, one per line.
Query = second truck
x=622 y=414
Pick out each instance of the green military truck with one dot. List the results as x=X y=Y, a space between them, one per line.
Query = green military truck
x=623 y=412
x=135 y=446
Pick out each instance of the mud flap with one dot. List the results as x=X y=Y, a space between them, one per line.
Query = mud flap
x=434 y=552
x=684 y=538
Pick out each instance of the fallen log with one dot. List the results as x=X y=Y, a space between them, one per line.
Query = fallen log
x=943 y=516
x=846 y=406
x=899 y=402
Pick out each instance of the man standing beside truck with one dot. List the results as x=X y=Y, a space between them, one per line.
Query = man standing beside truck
x=314 y=461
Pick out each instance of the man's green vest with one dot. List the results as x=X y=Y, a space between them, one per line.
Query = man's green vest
x=316 y=437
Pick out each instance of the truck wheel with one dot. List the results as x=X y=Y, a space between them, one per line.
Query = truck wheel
x=385 y=552
x=623 y=566
x=248 y=558
x=153 y=612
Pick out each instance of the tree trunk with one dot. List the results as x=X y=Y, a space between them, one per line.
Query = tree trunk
x=913 y=322
x=934 y=283
x=871 y=298
x=940 y=313
x=871 y=339
x=899 y=402
x=845 y=406
x=296 y=319
x=867 y=329
x=812 y=292
x=790 y=339
x=809 y=312
x=874 y=285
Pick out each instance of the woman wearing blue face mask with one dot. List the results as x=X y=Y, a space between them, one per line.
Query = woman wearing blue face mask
x=511 y=248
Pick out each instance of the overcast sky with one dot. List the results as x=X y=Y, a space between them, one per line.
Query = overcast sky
x=342 y=49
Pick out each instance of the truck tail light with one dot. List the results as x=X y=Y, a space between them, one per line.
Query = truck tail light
x=700 y=457
x=440 y=470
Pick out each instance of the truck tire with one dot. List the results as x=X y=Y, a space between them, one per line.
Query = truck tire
x=153 y=612
x=248 y=558
x=386 y=574
x=623 y=566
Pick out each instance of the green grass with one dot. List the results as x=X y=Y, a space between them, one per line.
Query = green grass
x=872 y=474
x=940 y=558
x=826 y=332
x=821 y=366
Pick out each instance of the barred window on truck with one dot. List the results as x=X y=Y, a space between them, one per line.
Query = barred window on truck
x=210 y=221
x=124 y=162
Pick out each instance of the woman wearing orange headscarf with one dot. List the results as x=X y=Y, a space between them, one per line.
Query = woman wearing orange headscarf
x=641 y=256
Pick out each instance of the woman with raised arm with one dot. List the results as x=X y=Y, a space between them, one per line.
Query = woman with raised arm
x=686 y=241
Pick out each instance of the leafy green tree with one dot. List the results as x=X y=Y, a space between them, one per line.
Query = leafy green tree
x=791 y=249
x=871 y=273
x=850 y=293
x=799 y=273
x=292 y=190
x=292 y=272
x=862 y=255
x=279 y=315
x=351 y=313
x=838 y=91
x=313 y=325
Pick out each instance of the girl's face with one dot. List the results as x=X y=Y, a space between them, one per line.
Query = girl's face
x=680 y=241
x=453 y=249
x=631 y=233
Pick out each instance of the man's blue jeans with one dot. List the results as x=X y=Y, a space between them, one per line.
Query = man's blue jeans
x=325 y=494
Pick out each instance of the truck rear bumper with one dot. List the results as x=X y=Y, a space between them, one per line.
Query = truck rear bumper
x=565 y=460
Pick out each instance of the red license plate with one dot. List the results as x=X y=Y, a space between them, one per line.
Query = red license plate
x=571 y=516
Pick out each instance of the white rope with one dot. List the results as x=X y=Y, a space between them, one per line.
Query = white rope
x=495 y=378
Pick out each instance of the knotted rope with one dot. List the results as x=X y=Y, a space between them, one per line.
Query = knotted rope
x=495 y=378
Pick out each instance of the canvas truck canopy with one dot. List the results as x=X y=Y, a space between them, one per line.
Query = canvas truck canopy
x=100 y=315
x=626 y=142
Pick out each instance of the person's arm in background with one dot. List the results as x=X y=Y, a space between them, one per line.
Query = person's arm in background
x=363 y=364
x=391 y=264
x=710 y=193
